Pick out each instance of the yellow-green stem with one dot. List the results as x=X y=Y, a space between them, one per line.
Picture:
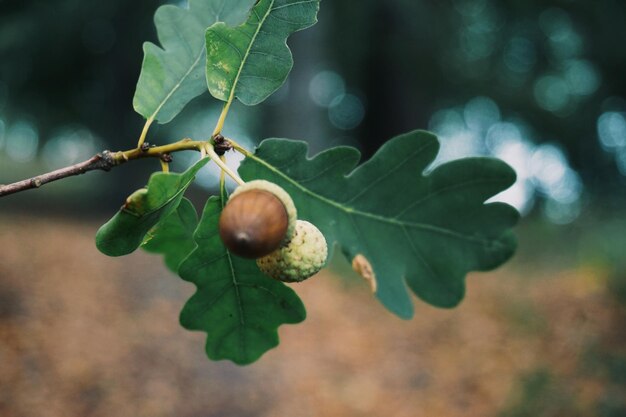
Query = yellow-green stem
x=222 y=178
x=157 y=151
x=237 y=147
x=210 y=150
x=144 y=132
x=220 y=122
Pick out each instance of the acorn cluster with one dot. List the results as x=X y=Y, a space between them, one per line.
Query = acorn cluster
x=260 y=222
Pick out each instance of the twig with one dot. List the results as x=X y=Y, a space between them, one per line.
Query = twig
x=104 y=161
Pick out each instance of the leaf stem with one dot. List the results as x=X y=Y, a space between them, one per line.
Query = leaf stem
x=210 y=150
x=144 y=132
x=222 y=180
x=237 y=147
x=220 y=122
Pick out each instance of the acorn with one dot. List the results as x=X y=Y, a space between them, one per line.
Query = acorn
x=304 y=255
x=259 y=217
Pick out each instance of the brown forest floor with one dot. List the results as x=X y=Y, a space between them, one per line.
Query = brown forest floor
x=86 y=335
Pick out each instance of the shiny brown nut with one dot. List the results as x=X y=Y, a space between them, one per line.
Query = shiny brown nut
x=253 y=223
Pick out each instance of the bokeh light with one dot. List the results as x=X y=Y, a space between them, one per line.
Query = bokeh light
x=556 y=24
x=69 y=146
x=552 y=93
x=478 y=129
x=564 y=41
x=520 y=55
x=477 y=36
x=611 y=128
x=481 y=113
x=22 y=142
x=512 y=148
x=325 y=87
x=346 y=111
x=583 y=78
x=561 y=213
x=553 y=176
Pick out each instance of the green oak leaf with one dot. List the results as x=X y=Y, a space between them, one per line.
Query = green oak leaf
x=238 y=307
x=143 y=210
x=422 y=231
x=251 y=61
x=174 y=75
x=173 y=236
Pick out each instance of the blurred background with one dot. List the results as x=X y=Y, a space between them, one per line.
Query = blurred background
x=539 y=84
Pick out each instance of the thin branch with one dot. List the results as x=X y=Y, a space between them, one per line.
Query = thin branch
x=104 y=161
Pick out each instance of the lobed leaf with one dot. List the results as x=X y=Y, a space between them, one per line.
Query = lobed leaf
x=143 y=210
x=403 y=227
x=172 y=237
x=237 y=306
x=251 y=61
x=173 y=75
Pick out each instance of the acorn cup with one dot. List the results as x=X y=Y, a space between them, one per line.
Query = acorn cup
x=260 y=222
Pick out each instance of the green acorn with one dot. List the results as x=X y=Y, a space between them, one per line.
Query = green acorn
x=301 y=258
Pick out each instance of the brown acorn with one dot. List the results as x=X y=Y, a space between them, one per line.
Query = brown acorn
x=258 y=218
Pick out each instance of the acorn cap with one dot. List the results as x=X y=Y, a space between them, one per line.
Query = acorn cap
x=281 y=194
x=303 y=257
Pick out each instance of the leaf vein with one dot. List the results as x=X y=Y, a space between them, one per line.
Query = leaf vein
x=247 y=54
x=391 y=221
x=324 y=171
x=387 y=174
x=444 y=189
x=276 y=296
x=228 y=43
x=420 y=257
x=290 y=22
x=294 y=4
x=178 y=84
x=277 y=57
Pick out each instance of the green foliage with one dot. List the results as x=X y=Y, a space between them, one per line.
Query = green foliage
x=173 y=236
x=171 y=77
x=426 y=232
x=252 y=61
x=143 y=210
x=237 y=306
